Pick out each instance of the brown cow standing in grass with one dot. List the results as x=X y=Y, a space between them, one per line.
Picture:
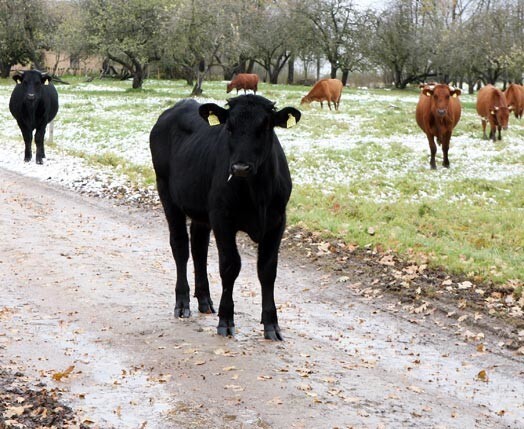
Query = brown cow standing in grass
x=515 y=99
x=329 y=90
x=243 y=81
x=492 y=107
x=438 y=112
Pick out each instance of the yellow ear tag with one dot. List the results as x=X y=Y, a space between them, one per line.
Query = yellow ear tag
x=46 y=82
x=291 y=121
x=213 y=119
x=428 y=94
x=492 y=112
x=455 y=95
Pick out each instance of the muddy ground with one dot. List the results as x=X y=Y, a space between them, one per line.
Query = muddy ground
x=87 y=337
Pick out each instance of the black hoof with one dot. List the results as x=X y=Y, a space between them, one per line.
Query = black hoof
x=182 y=312
x=26 y=159
x=226 y=331
x=206 y=306
x=433 y=167
x=39 y=162
x=273 y=333
x=226 y=328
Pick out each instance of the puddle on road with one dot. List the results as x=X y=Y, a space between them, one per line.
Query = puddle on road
x=101 y=388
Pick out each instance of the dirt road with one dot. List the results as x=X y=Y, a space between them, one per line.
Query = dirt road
x=88 y=285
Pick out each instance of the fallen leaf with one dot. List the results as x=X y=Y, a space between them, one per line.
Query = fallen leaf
x=483 y=376
x=264 y=377
x=59 y=375
x=415 y=389
x=13 y=412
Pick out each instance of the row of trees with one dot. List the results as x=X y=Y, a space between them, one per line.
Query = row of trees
x=463 y=41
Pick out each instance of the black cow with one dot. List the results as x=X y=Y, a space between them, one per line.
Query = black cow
x=34 y=103
x=224 y=169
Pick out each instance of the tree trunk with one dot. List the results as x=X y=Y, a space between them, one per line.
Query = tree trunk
x=250 y=66
x=345 y=75
x=333 y=73
x=291 y=70
x=138 y=76
x=5 y=69
x=318 y=68
x=197 y=89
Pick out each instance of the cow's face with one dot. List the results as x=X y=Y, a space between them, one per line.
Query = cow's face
x=440 y=96
x=248 y=124
x=31 y=82
x=501 y=115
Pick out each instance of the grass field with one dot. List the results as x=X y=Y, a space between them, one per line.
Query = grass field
x=361 y=174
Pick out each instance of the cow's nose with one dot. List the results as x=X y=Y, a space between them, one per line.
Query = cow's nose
x=30 y=96
x=441 y=112
x=240 y=169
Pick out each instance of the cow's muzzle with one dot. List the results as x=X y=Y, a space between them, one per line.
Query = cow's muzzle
x=442 y=112
x=30 y=97
x=241 y=169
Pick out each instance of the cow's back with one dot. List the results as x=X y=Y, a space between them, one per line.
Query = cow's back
x=515 y=98
x=183 y=149
x=335 y=88
x=488 y=98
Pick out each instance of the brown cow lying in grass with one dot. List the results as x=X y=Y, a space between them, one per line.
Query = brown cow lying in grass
x=515 y=99
x=329 y=90
x=438 y=112
x=243 y=81
x=492 y=107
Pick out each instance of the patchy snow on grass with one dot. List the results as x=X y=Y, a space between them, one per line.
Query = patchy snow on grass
x=329 y=149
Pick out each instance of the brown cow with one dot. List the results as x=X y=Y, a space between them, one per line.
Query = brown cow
x=492 y=108
x=329 y=90
x=515 y=99
x=243 y=81
x=438 y=111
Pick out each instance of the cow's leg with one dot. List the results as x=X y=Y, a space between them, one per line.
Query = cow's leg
x=492 y=131
x=27 y=134
x=267 y=272
x=433 y=150
x=445 y=149
x=199 y=246
x=229 y=262
x=499 y=128
x=179 y=241
x=484 y=124
x=39 y=140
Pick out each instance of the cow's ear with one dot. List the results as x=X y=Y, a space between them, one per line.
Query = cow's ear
x=18 y=77
x=46 y=79
x=287 y=117
x=213 y=114
x=455 y=92
x=428 y=92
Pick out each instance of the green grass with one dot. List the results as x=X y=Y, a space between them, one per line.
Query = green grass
x=365 y=166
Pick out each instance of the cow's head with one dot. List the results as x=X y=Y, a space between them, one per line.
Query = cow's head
x=32 y=81
x=440 y=95
x=249 y=124
x=501 y=116
x=229 y=87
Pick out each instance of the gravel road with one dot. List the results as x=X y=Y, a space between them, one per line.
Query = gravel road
x=86 y=305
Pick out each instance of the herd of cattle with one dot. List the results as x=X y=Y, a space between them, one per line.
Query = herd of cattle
x=225 y=170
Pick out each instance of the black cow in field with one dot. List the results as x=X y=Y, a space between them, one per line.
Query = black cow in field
x=224 y=169
x=34 y=103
